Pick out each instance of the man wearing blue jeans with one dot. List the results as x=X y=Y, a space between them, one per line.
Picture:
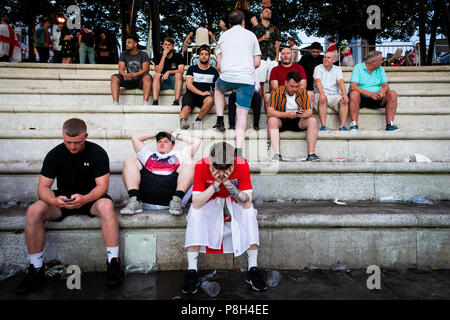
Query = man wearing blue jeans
x=86 y=44
x=237 y=73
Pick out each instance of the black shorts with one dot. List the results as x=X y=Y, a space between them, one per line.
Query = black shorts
x=157 y=189
x=290 y=125
x=84 y=210
x=135 y=83
x=192 y=100
x=367 y=102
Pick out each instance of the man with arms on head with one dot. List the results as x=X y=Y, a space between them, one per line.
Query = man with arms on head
x=279 y=73
x=169 y=69
x=329 y=80
x=310 y=62
x=369 y=88
x=134 y=66
x=269 y=42
x=162 y=178
x=222 y=178
x=81 y=170
x=289 y=109
x=200 y=81
x=238 y=55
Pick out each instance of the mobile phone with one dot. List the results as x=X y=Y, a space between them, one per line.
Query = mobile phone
x=298 y=112
x=67 y=200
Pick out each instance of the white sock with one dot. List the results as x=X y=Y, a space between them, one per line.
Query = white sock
x=353 y=123
x=36 y=259
x=252 y=258
x=113 y=252
x=192 y=260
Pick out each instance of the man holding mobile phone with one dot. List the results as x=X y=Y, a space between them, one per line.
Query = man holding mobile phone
x=289 y=110
x=81 y=169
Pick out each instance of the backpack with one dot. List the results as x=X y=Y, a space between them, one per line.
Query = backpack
x=89 y=40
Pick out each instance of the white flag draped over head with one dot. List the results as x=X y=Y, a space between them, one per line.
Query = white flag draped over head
x=9 y=44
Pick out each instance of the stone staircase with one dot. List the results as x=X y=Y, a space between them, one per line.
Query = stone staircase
x=35 y=100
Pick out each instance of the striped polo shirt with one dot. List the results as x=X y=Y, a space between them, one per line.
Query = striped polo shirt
x=278 y=99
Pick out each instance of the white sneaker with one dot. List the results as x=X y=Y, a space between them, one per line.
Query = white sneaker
x=132 y=207
x=175 y=206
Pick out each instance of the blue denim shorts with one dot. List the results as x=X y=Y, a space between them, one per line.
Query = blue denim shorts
x=169 y=83
x=244 y=92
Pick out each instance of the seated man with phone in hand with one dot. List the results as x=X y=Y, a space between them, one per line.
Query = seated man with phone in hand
x=289 y=110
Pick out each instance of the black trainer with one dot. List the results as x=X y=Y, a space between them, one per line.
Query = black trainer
x=155 y=102
x=34 y=279
x=255 y=280
x=191 y=282
x=219 y=126
x=113 y=273
x=313 y=157
x=175 y=103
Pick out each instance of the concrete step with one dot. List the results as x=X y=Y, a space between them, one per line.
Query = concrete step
x=291 y=237
x=353 y=181
x=139 y=117
x=381 y=146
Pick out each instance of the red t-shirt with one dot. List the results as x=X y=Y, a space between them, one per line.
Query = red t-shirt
x=279 y=73
x=203 y=177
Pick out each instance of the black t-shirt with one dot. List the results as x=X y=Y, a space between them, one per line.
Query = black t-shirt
x=75 y=173
x=172 y=63
x=309 y=63
x=204 y=80
x=134 y=63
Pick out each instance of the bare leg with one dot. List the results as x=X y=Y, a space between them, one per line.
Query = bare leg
x=343 y=112
x=391 y=105
x=241 y=126
x=147 y=86
x=274 y=125
x=206 y=107
x=186 y=175
x=219 y=100
x=178 y=85
x=355 y=100
x=266 y=100
x=311 y=97
x=184 y=114
x=37 y=213
x=322 y=112
x=104 y=208
x=310 y=124
x=131 y=174
x=115 y=87
x=156 y=85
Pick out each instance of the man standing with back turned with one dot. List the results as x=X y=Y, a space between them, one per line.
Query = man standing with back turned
x=238 y=55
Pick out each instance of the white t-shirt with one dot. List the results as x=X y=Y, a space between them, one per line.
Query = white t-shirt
x=163 y=164
x=238 y=46
x=291 y=105
x=329 y=79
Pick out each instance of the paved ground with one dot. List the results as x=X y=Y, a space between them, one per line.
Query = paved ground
x=294 y=285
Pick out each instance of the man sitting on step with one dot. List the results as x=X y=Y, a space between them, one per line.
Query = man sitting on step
x=169 y=69
x=369 y=88
x=200 y=80
x=222 y=179
x=134 y=66
x=289 y=110
x=81 y=170
x=160 y=179
x=329 y=89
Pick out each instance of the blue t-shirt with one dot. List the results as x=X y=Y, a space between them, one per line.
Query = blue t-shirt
x=370 y=82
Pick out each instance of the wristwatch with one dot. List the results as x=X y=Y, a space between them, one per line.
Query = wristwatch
x=176 y=137
x=216 y=189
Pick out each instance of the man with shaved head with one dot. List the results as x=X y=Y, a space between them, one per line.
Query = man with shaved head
x=329 y=89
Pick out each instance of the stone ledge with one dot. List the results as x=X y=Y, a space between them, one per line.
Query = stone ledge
x=250 y=134
x=306 y=214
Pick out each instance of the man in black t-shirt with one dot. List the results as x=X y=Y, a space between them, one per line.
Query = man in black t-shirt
x=134 y=66
x=309 y=62
x=81 y=169
x=169 y=69
x=200 y=80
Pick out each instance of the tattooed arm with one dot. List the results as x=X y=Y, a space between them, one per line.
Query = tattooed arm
x=245 y=199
